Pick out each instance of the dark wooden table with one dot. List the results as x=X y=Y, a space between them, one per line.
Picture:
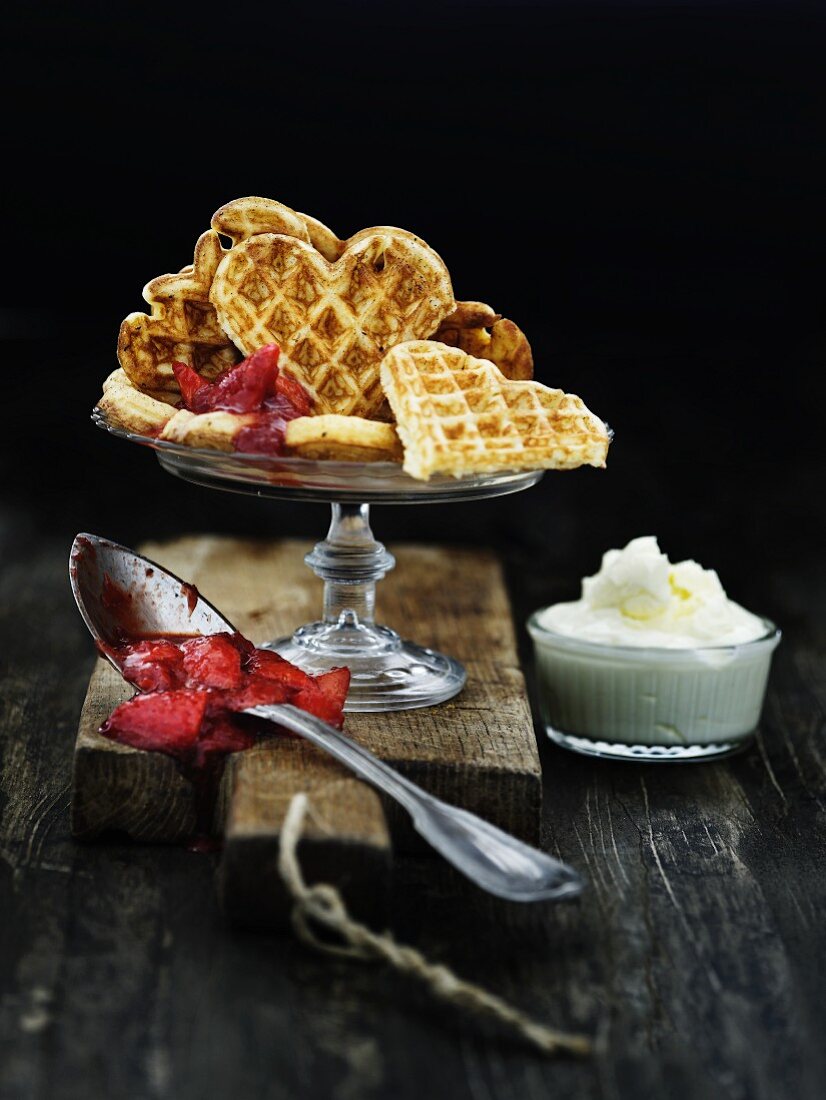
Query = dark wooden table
x=696 y=958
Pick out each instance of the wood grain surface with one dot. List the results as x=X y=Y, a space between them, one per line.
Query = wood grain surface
x=696 y=957
x=478 y=751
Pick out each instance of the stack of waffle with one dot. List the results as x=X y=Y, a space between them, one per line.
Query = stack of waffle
x=394 y=368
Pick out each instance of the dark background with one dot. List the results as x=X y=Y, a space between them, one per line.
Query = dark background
x=637 y=185
x=641 y=188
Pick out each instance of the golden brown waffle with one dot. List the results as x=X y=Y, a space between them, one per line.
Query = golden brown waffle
x=244 y=218
x=330 y=438
x=119 y=377
x=343 y=439
x=332 y=321
x=459 y=415
x=127 y=407
x=215 y=431
x=182 y=325
x=477 y=329
x=323 y=239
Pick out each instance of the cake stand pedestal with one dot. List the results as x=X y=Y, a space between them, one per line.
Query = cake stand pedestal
x=388 y=673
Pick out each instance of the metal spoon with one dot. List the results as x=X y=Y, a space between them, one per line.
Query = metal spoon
x=161 y=603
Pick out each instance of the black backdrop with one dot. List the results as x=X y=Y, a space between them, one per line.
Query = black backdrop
x=638 y=185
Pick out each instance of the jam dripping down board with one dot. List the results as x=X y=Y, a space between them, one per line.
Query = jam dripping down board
x=477 y=750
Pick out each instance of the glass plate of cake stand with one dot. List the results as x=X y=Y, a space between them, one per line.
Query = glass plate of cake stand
x=387 y=672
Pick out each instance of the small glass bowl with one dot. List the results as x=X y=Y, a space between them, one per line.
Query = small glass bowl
x=655 y=705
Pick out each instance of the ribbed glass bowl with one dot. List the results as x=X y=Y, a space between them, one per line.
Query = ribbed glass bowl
x=640 y=703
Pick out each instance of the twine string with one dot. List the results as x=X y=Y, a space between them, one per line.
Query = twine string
x=322 y=906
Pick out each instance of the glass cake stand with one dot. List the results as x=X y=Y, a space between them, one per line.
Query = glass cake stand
x=387 y=672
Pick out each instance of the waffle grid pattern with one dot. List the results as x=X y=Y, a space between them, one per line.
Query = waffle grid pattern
x=182 y=325
x=459 y=415
x=333 y=322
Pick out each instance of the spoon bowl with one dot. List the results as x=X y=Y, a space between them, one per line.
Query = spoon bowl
x=119 y=592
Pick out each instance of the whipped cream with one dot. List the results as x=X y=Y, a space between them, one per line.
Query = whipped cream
x=639 y=598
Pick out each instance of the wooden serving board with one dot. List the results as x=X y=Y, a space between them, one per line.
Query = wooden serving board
x=477 y=750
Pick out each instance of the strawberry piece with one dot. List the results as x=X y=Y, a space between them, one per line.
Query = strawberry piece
x=195 y=687
x=335 y=684
x=220 y=736
x=153 y=665
x=212 y=662
x=252 y=386
x=314 y=701
x=265 y=436
x=242 y=644
x=168 y=721
x=190 y=383
x=271 y=666
x=254 y=692
x=243 y=388
x=294 y=394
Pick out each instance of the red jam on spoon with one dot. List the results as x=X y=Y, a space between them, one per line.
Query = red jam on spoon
x=191 y=690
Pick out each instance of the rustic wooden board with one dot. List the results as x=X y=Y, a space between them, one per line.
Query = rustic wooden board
x=345 y=838
x=478 y=750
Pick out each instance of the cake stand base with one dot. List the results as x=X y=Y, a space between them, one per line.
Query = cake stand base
x=386 y=673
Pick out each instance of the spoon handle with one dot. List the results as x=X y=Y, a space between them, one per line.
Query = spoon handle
x=494 y=860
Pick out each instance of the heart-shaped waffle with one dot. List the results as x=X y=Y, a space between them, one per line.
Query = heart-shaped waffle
x=182 y=325
x=333 y=321
x=459 y=415
x=477 y=329
x=243 y=218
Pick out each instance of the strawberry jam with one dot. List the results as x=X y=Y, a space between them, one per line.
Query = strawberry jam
x=255 y=386
x=192 y=690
